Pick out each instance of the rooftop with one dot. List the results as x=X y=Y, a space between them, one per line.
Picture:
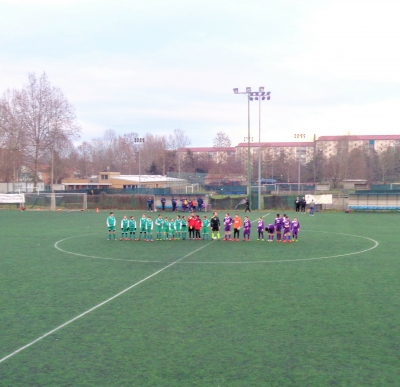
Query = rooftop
x=208 y=149
x=276 y=144
x=147 y=178
x=361 y=138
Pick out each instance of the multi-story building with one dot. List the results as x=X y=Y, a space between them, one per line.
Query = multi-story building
x=330 y=145
x=217 y=154
x=275 y=150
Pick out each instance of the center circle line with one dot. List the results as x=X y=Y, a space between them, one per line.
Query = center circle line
x=376 y=244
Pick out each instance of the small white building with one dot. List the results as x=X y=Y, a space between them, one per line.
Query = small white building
x=355 y=184
x=116 y=180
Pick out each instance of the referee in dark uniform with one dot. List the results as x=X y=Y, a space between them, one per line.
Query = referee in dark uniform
x=247 y=209
x=215 y=224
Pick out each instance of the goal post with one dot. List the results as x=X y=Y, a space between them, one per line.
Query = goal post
x=394 y=186
x=56 y=201
x=192 y=188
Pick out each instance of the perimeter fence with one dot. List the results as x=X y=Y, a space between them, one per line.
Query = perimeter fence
x=134 y=201
x=117 y=202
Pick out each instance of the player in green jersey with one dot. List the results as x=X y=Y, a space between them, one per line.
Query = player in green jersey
x=205 y=230
x=171 y=231
x=183 y=227
x=149 y=229
x=165 y=229
x=159 y=227
x=132 y=228
x=142 y=227
x=124 y=228
x=111 y=224
x=178 y=227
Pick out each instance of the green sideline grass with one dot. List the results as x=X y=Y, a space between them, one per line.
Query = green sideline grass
x=230 y=314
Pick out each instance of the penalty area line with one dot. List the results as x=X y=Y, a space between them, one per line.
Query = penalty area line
x=99 y=305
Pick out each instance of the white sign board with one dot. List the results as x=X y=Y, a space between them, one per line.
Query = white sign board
x=12 y=198
x=319 y=199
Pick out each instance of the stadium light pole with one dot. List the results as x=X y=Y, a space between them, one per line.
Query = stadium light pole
x=260 y=95
x=248 y=93
x=139 y=140
x=298 y=174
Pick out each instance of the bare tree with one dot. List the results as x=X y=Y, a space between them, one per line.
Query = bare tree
x=47 y=118
x=178 y=140
x=84 y=160
x=34 y=103
x=127 y=149
x=153 y=149
x=63 y=127
x=357 y=164
x=222 y=140
x=64 y=161
x=389 y=165
x=189 y=162
x=109 y=152
x=12 y=138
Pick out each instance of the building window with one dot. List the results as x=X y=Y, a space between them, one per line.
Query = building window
x=104 y=177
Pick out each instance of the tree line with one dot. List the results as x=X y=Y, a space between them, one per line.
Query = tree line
x=39 y=132
x=37 y=126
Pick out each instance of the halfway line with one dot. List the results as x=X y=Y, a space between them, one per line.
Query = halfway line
x=99 y=305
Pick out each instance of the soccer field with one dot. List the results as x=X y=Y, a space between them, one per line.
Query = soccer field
x=79 y=310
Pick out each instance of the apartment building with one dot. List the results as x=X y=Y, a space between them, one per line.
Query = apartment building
x=330 y=145
x=215 y=153
x=276 y=150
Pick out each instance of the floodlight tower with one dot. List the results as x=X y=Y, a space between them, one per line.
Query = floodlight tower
x=260 y=96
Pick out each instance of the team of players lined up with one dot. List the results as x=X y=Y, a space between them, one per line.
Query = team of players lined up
x=195 y=228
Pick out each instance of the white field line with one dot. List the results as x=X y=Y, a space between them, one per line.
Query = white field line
x=94 y=256
x=101 y=304
x=376 y=244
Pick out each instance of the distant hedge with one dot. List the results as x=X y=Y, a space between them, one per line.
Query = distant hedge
x=117 y=202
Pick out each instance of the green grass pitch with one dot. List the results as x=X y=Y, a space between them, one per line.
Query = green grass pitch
x=321 y=312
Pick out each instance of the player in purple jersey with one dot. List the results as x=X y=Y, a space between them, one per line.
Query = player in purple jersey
x=286 y=230
x=295 y=229
x=246 y=229
x=278 y=227
x=282 y=220
x=260 y=228
x=227 y=227
x=270 y=229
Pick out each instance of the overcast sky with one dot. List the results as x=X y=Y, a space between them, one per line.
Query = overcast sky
x=333 y=67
